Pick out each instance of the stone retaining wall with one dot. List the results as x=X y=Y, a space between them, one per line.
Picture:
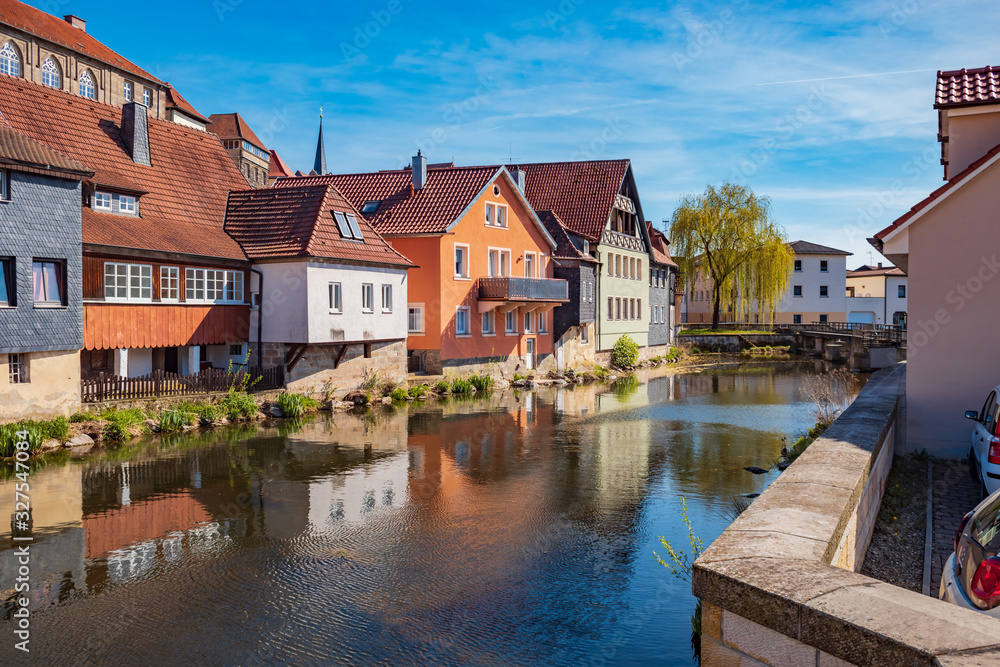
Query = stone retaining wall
x=780 y=585
x=732 y=343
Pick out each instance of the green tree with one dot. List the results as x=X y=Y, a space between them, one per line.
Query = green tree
x=728 y=236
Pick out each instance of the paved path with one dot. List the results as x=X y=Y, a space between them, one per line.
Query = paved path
x=955 y=493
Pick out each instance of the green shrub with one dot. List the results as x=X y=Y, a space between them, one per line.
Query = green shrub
x=387 y=388
x=294 y=405
x=442 y=387
x=238 y=405
x=695 y=350
x=203 y=410
x=674 y=353
x=399 y=395
x=119 y=421
x=625 y=353
x=482 y=382
x=55 y=429
x=418 y=391
x=78 y=417
x=518 y=377
x=172 y=421
x=461 y=386
x=600 y=372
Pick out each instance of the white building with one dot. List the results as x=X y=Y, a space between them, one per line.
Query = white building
x=876 y=295
x=334 y=293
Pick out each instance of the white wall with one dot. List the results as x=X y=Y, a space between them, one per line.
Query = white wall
x=893 y=302
x=871 y=304
x=352 y=323
x=284 y=303
x=873 y=286
x=220 y=357
x=810 y=278
x=140 y=362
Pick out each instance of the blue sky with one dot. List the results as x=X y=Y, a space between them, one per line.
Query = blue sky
x=824 y=107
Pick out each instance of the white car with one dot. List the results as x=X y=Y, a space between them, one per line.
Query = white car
x=971 y=576
x=984 y=456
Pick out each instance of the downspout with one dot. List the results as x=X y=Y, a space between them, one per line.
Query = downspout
x=260 y=316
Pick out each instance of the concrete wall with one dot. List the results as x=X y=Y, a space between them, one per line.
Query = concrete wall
x=53 y=388
x=315 y=375
x=893 y=302
x=780 y=586
x=284 y=303
x=971 y=133
x=810 y=278
x=353 y=323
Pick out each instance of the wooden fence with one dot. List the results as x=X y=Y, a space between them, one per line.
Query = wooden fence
x=158 y=384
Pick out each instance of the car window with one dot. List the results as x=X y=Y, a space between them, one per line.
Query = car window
x=986 y=526
x=987 y=416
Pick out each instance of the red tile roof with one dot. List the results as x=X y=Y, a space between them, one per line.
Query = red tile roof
x=190 y=177
x=297 y=221
x=967 y=87
x=565 y=248
x=660 y=246
x=940 y=192
x=52 y=29
x=232 y=126
x=277 y=167
x=176 y=101
x=17 y=149
x=582 y=193
x=430 y=210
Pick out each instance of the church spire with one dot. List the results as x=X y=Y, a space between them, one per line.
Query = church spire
x=319 y=166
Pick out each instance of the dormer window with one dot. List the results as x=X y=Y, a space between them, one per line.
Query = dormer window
x=10 y=61
x=126 y=204
x=87 y=87
x=147 y=97
x=50 y=74
x=370 y=206
x=102 y=201
x=127 y=91
x=348 y=226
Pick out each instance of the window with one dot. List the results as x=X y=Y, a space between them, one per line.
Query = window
x=8 y=286
x=823 y=290
x=638 y=308
x=17 y=366
x=611 y=308
x=496 y=215
x=850 y=292
x=4 y=184
x=194 y=284
x=798 y=265
x=336 y=298
x=355 y=228
x=213 y=285
x=169 y=283
x=529 y=265
x=618 y=308
x=901 y=291
x=87 y=88
x=527 y=323
x=611 y=265
x=543 y=323
x=585 y=334
x=462 y=321
x=236 y=350
x=461 y=261
x=823 y=266
x=368 y=298
x=797 y=290
x=10 y=61
x=127 y=91
x=638 y=269
x=102 y=201
x=147 y=97
x=489 y=215
x=488 y=328
x=386 y=298
x=631 y=307
x=370 y=206
x=501 y=216
x=234 y=286
x=415 y=318
x=47 y=277
x=618 y=265
x=499 y=263
x=345 y=229
x=796 y=319
x=510 y=322
x=823 y=318
x=126 y=204
x=50 y=74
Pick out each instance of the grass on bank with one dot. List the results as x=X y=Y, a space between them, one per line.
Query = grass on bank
x=725 y=332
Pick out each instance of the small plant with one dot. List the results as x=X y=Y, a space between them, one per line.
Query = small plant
x=205 y=411
x=119 y=422
x=418 y=391
x=461 y=386
x=55 y=429
x=518 y=377
x=625 y=353
x=483 y=382
x=293 y=405
x=78 y=417
x=172 y=421
x=442 y=387
x=387 y=387
x=238 y=405
x=674 y=353
x=600 y=372
x=9 y=437
x=679 y=563
x=371 y=380
x=695 y=349
x=399 y=395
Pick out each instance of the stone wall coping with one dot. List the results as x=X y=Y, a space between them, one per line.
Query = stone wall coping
x=773 y=564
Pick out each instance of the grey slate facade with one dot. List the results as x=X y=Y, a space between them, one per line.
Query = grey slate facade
x=42 y=220
x=579 y=310
x=660 y=296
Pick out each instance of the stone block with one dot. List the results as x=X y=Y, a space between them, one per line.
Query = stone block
x=719 y=655
x=711 y=620
x=764 y=644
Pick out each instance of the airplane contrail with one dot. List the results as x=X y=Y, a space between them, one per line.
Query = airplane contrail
x=852 y=76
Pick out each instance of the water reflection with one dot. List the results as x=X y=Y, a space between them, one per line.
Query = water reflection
x=514 y=529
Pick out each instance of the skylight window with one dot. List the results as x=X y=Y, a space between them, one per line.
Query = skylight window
x=355 y=229
x=370 y=206
x=342 y=225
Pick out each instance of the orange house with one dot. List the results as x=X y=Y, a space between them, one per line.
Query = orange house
x=482 y=296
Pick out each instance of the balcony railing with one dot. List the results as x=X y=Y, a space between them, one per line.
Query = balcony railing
x=523 y=289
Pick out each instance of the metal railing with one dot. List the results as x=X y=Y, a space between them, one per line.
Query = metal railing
x=510 y=288
x=872 y=335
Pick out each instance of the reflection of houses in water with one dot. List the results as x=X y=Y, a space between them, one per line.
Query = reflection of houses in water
x=358 y=493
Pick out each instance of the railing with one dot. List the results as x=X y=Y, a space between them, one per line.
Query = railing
x=621 y=240
x=157 y=384
x=510 y=288
x=873 y=335
x=729 y=326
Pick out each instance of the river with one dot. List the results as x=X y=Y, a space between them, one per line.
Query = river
x=516 y=529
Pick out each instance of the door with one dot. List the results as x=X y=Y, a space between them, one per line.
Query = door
x=170 y=360
x=560 y=361
x=529 y=356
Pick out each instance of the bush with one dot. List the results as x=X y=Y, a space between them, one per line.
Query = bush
x=482 y=382
x=78 y=417
x=238 y=405
x=674 y=354
x=600 y=372
x=119 y=422
x=387 y=388
x=55 y=429
x=418 y=391
x=294 y=405
x=461 y=386
x=172 y=421
x=203 y=410
x=625 y=353
x=442 y=387
x=399 y=395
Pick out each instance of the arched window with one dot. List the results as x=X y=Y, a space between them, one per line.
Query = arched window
x=10 y=62
x=87 y=88
x=50 y=74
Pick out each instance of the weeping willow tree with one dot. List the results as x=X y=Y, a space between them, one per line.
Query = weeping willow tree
x=727 y=235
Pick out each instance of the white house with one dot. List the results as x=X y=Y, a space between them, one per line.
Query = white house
x=876 y=295
x=334 y=293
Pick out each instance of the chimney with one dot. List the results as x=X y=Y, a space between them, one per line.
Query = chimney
x=135 y=132
x=76 y=22
x=419 y=171
x=520 y=179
